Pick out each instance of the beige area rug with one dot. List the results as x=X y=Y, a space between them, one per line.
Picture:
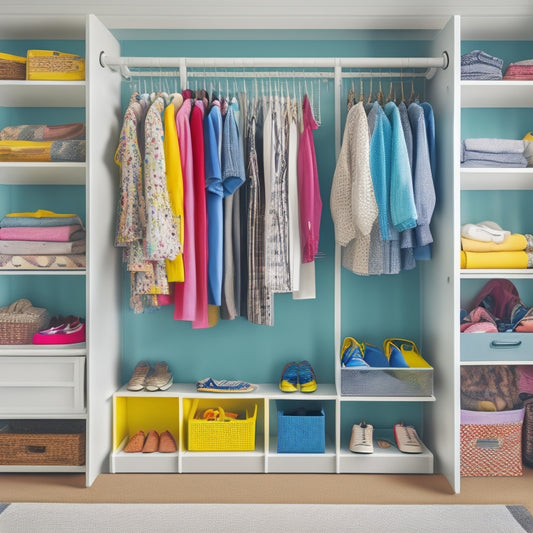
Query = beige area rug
x=259 y=518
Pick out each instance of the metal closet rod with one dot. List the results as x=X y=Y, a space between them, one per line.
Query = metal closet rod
x=123 y=64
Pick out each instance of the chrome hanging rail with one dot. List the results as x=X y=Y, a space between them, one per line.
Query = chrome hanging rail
x=123 y=64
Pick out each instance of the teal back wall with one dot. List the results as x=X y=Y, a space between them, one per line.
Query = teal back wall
x=373 y=308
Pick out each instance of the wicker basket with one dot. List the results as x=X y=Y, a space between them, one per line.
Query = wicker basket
x=56 y=66
x=224 y=434
x=527 y=428
x=43 y=443
x=12 y=67
x=20 y=321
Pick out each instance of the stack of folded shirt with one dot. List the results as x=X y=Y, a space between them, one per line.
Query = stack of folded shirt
x=521 y=70
x=42 y=240
x=487 y=245
x=478 y=65
x=41 y=143
x=483 y=152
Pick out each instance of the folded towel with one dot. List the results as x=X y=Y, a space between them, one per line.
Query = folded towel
x=479 y=56
x=42 y=262
x=514 y=243
x=480 y=72
x=53 y=151
x=39 y=132
x=470 y=155
x=495 y=146
x=41 y=217
x=42 y=247
x=495 y=260
x=482 y=163
x=52 y=233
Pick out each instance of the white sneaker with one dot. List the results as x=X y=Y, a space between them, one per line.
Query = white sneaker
x=407 y=439
x=361 y=439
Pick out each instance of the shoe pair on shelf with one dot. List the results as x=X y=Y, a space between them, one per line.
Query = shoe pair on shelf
x=298 y=377
x=406 y=438
x=396 y=353
x=69 y=330
x=150 y=378
x=150 y=443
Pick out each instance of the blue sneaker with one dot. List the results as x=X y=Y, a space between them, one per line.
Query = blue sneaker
x=289 y=378
x=306 y=377
x=352 y=353
x=375 y=357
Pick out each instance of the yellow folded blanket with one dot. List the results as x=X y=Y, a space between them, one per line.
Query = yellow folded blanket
x=40 y=213
x=514 y=243
x=494 y=259
x=42 y=151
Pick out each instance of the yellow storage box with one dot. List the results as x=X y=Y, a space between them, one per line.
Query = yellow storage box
x=224 y=433
x=12 y=67
x=48 y=65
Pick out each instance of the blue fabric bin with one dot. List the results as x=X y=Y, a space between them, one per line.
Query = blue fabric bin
x=301 y=431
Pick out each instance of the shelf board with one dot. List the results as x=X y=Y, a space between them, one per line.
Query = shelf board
x=63 y=173
x=44 y=416
x=47 y=469
x=61 y=350
x=496 y=93
x=388 y=398
x=486 y=273
x=62 y=272
x=22 y=93
x=496 y=179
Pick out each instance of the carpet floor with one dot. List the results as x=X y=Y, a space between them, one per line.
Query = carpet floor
x=259 y=518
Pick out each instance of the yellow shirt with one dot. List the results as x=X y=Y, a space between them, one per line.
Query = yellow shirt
x=174 y=267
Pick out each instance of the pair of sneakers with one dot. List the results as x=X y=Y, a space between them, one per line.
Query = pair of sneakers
x=406 y=437
x=396 y=353
x=150 y=378
x=298 y=377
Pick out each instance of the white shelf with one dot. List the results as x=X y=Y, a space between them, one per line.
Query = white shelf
x=497 y=93
x=55 y=350
x=387 y=398
x=43 y=469
x=22 y=93
x=42 y=173
x=486 y=273
x=81 y=415
x=324 y=463
x=65 y=272
x=496 y=179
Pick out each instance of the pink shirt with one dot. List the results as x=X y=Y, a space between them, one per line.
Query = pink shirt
x=185 y=292
x=310 y=202
x=200 y=215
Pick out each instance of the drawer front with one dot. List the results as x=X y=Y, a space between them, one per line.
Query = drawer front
x=42 y=385
x=497 y=347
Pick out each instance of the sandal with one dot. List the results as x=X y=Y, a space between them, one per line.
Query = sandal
x=407 y=350
x=352 y=353
x=223 y=385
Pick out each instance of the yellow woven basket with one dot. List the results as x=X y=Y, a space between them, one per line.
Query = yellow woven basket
x=223 y=434
x=48 y=65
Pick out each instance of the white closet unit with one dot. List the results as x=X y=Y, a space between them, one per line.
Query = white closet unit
x=72 y=381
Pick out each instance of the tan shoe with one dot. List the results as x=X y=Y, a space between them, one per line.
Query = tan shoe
x=151 y=444
x=138 y=378
x=135 y=444
x=167 y=444
x=160 y=378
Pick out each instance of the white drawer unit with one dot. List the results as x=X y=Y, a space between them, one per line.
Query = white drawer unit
x=42 y=385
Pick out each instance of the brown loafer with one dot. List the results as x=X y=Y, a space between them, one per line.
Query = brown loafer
x=167 y=444
x=135 y=444
x=151 y=444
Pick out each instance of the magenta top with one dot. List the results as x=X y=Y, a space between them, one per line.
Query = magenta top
x=310 y=202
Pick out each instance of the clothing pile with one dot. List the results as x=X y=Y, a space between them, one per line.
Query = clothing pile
x=383 y=195
x=487 y=245
x=42 y=240
x=41 y=143
x=478 y=65
x=489 y=152
x=219 y=204
x=521 y=70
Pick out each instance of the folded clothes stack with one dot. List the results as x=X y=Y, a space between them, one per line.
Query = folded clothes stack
x=521 y=70
x=42 y=143
x=486 y=245
x=489 y=152
x=42 y=240
x=478 y=65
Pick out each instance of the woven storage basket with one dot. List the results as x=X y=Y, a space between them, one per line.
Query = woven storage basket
x=20 y=321
x=224 y=434
x=301 y=431
x=43 y=443
x=12 y=67
x=491 y=443
x=527 y=429
x=56 y=66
